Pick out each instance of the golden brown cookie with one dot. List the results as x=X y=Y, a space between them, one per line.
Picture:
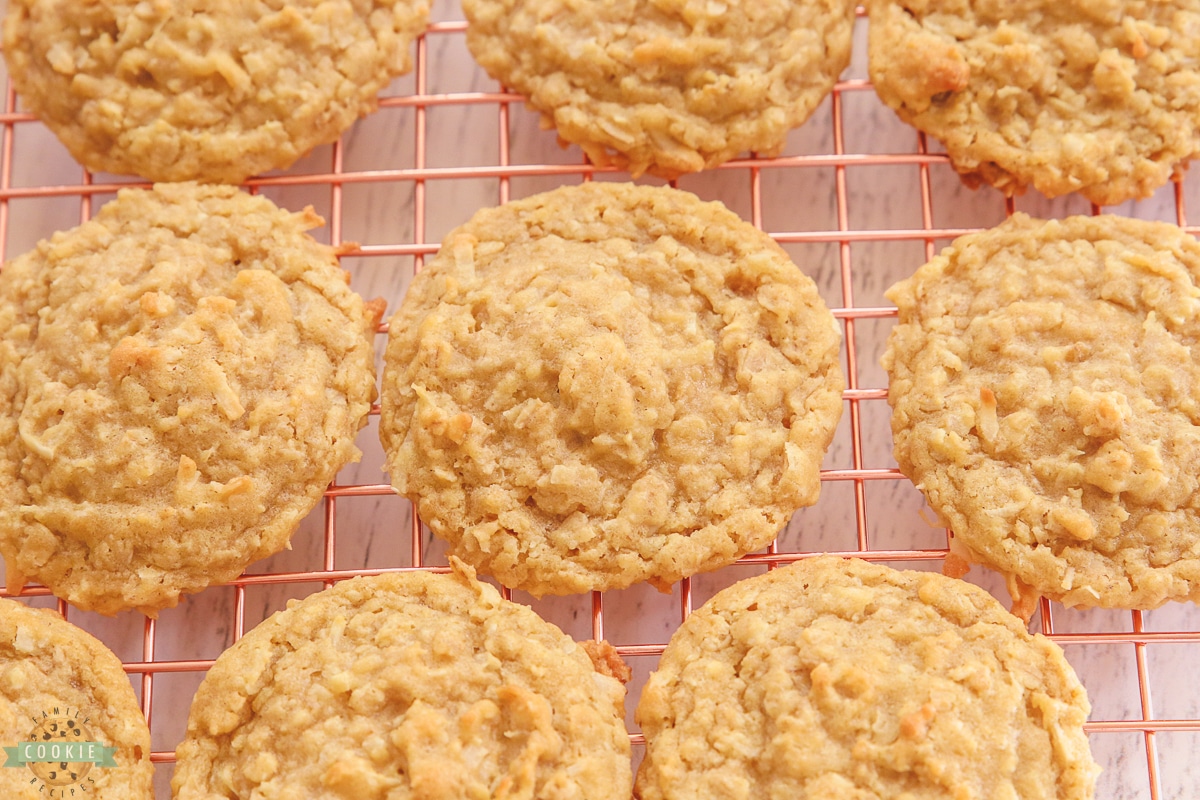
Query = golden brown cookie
x=1044 y=394
x=1063 y=95
x=662 y=87
x=180 y=378
x=211 y=91
x=609 y=383
x=837 y=678
x=405 y=685
x=63 y=695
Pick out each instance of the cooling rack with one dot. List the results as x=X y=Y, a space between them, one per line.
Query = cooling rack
x=858 y=199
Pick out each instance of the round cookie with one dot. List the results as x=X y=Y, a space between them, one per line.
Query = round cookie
x=1064 y=95
x=180 y=379
x=404 y=685
x=837 y=678
x=606 y=384
x=667 y=88
x=59 y=686
x=1043 y=382
x=212 y=91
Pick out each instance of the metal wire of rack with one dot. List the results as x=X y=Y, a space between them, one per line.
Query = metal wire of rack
x=1146 y=720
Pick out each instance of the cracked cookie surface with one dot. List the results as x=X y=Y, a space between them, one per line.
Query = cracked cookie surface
x=837 y=678
x=405 y=686
x=180 y=378
x=669 y=86
x=1063 y=95
x=51 y=670
x=1043 y=381
x=606 y=384
x=211 y=91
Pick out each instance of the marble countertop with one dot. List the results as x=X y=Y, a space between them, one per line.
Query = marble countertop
x=858 y=207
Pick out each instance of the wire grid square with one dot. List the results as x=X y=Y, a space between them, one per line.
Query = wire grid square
x=857 y=198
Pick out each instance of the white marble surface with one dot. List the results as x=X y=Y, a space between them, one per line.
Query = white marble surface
x=373 y=532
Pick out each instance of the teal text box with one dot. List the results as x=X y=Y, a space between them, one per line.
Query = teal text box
x=50 y=752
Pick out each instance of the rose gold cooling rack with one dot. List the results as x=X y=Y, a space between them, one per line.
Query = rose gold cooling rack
x=859 y=201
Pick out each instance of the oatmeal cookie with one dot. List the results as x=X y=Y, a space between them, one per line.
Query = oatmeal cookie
x=180 y=378
x=665 y=87
x=176 y=90
x=406 y=685
x=1066 y=95
x=609 y=383
x=1044 y=398
x=58 y=685
x=837 y=678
